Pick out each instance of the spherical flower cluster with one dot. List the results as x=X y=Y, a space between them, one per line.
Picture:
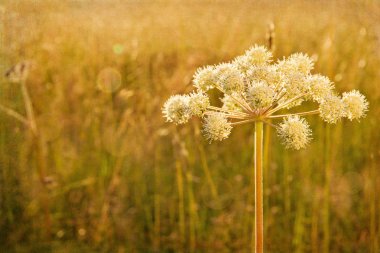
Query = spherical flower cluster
x=177 y=109
x=260 y=95
x=301 y=62
x=198 y=103
x=180 y=108
x=295 y=132
x=332 y=109
x=258 y=55
x=216 y=126
x=229 y=79
x=253 y=89
x=298 y=62
x=266 y=73
x=204 y=78
x=255 y=56
x=320 y=87
x=355 y=104
x=294 y=84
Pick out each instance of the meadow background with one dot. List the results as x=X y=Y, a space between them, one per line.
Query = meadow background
x=106 y=173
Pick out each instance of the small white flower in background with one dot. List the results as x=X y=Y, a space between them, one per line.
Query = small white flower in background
x=255 y=89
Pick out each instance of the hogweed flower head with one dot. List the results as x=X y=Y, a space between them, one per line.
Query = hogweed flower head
x=320 y=87
x=302 y=63
x=229 y=104
x=216 y=126
x=177 y=109
x=295 y=132
x=332 y=109
x=355 y=103
x=255 y=56
x=255 y=89
x=198 y=103
x=260 y=95
x=229 y=78
x=204 y=78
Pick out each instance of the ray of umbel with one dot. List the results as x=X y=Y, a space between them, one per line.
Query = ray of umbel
x=255 y=90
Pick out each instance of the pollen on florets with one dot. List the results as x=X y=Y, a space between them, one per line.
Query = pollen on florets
x=204 y=78
x=355 y=104
x=229 y=103
x=260 y=95
x=296 y=63
x=302 y=62
x=255 y=56
x=331 y=109
x=320 y=87
x=198 y=103
x=216 y=127
x=295 y=85
x=295 y=132
x=229 y=78
x=177 y=110
x=251 y=88
x=266 y=73
x=258 y=55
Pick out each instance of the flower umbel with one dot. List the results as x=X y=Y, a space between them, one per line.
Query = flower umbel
x=204 y=78
x=177 y=109
x=355 y=103
x=216 y=126
x=332 y=109
x=260 y=95
x=198 y=103
x=295 y=132
x=254 y=89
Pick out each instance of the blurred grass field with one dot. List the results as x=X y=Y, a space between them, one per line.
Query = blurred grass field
x=107 y=174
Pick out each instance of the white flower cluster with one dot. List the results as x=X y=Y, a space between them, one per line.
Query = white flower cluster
x=256 y=89
x=295 y=132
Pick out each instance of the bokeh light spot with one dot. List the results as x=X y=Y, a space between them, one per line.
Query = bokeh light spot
x=118 y=48
x=109 y=80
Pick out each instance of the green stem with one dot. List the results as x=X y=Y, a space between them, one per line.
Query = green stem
x=259 y=223
x=181 y=204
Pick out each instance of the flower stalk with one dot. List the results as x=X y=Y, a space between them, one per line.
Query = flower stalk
x=259 y=211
